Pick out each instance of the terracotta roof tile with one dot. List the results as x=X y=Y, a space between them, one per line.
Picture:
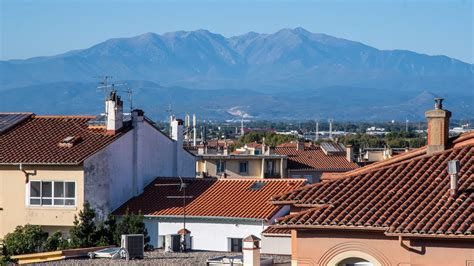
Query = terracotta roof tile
x=405 y=195
x=274 y=231
x=313 y=157
x=36 y=140
x=211 y=198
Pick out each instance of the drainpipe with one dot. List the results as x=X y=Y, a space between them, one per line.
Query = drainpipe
x=27 y=176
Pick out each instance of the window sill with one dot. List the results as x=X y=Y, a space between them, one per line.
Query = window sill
x=51 y=207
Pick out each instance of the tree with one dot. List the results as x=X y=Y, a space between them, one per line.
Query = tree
x=83 y=233
x=55 y=242
x=25 y=239
x=131 y=224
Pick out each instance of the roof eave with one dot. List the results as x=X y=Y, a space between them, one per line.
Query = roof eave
x=332 y=227
x=206 y=217
x=436 y=236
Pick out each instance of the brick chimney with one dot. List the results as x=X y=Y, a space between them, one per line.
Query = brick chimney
x=438 y=127
x=177 y=134
x=300 y=145
x=114 y=113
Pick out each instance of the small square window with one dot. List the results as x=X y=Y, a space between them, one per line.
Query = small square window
x=46 y=189
x=58 y=189
x=70 y=189
x=35 y=201
x=35 y=188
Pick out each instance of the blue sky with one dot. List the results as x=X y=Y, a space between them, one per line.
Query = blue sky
x=33 y=28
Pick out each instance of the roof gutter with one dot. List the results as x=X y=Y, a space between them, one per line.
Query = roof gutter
x=332 y=227
x=470 y=237
x=28 y=163
x=205 y=218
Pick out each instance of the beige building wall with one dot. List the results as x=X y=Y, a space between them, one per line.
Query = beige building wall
x=329 y=248
x=14 y=207
x=233 y=167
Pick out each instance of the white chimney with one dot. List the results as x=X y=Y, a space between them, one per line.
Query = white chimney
x=114 y=113
x=138 y=117
x=177 y=135
x=251 y=251
x=177 y=131
x=349 y=153
x=453 y=170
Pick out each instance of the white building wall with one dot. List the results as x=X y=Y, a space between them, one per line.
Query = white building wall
x=207 y=235
x=108 y=174
x=278 y=245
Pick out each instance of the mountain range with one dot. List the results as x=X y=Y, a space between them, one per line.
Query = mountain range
x=290 y=74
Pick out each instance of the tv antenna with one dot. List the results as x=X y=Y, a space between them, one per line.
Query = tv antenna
x=182 y=188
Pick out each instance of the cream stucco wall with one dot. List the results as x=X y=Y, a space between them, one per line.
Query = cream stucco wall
x=13 y=198
x=233 y=170
x=329 y=248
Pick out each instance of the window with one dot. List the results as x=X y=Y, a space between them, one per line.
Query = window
x=257 y=186
x=270 y=168
x=235 y=244
x=52 y=193
x=220 y=166
x=243 y=167
x=309 y=178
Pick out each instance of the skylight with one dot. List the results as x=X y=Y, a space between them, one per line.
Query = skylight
x=257 y=186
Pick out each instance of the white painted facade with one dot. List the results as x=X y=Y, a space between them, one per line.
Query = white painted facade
x=123 y=168
x=207 y=233
x=277 y=245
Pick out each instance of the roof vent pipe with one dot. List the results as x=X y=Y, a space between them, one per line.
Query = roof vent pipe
x=453 y=170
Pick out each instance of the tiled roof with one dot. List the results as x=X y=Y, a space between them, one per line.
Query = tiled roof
x=313 y=157
x=408 y=194
x=230 y=198
x=275 y=231
x=36 y=140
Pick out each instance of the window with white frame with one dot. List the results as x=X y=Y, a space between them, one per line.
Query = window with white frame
x=52 y=193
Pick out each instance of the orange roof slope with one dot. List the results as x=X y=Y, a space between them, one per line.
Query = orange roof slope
x=35 y=140
x=313 y=157
x=231 y=198
x=404 y=196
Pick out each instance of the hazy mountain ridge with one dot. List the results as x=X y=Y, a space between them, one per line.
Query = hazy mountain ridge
x=289 y=74
x=339 y=102
x=287 y=59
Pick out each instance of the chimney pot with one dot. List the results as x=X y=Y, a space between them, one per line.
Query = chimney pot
x=438 y=103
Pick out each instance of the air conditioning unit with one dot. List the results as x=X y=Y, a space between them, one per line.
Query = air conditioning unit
x=172 y=243
x=134 y=244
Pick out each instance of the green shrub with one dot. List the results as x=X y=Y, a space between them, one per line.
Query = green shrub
x=55 y=242
x=25 y=239
x=84 y=231
x=131 y=223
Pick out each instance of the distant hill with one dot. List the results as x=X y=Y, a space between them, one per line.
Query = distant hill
x=292 y=73
x=341 y=103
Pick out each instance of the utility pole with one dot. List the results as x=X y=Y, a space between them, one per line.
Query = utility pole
x=317 y=131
